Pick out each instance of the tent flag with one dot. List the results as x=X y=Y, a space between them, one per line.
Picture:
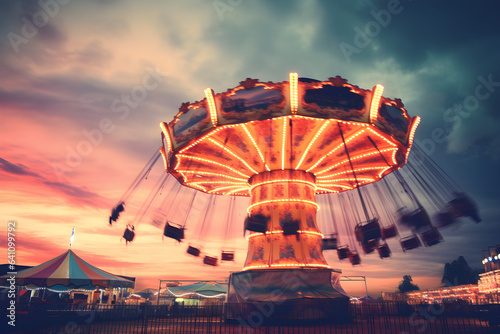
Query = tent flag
x=70 y=271
x=72 y=237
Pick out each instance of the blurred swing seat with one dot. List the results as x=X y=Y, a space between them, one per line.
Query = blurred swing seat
x=227 y=256
x=210 y=260
x=384 y=251
x=173 y=231
x=193 y=251
x=431 y=237
x=410 y=242
x=329 y=243
x=256 y=223
x=368 y=230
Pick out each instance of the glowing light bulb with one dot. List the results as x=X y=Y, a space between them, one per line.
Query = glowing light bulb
x=211 y=106
x=375 y=104
x=294 y=96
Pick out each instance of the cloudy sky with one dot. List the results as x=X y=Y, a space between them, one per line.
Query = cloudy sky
x=73 y=140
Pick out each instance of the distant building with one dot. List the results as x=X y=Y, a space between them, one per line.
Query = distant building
x=489 y=282
x=393 y=296
x=489 y=286
x=468 y=293
x=486 y=291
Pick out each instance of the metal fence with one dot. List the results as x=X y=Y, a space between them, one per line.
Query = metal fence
x=371 y=318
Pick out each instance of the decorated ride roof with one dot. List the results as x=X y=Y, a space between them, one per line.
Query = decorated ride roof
x=321 y=127
x=201 y=289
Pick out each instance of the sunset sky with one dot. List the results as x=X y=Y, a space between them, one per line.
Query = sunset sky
x=73 y=138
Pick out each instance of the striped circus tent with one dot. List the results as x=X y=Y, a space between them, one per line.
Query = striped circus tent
x=68 y=271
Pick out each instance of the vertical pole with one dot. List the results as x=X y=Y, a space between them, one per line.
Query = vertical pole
x=366 y=286
x=159 y=293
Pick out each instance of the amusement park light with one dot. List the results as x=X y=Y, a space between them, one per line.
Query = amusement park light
x=209 y=162
x=236 y=191
x=490 y=259
x=233 y=154
x=211 y=106
x=356 y=170
x=356 y=157
x=211 y=174
x=382 y=172
x=372 y=129
x=256 y=234
x=416 y=121
x=321 y=190
x=216 y=190
x=283 y=151
x=197 y=186
x=495 y=257
x=294 y=100
x=256 y=146
x=164 y=156
x=300 y=200
x=348 y=179
x=335 y=149
x=284 y=180
x=375 y=104
x=316 y=136
x=163 y=127
x=215 y=131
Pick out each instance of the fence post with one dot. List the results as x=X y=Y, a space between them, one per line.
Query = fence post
x=145 y=319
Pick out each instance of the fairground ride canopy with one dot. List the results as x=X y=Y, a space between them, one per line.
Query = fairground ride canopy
x=341 y=135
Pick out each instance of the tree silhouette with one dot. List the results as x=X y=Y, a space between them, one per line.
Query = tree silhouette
x=407 y=285
x=459 y=273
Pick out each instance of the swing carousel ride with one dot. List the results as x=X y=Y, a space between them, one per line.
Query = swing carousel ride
x=286 y=144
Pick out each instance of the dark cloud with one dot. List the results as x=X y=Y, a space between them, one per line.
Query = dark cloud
x=74 y=194
x=16 y=169
x=78 y=195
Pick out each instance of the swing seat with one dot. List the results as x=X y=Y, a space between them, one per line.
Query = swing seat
x=193 y=251
x=370 y=246
x=256 y=223
x=343 y=252
x=227 y=256
x=431 y=237
x=210 y=260
x=329 y=243
x=115 y=212
x=417 y=220
x=389 y=231
x=463 y=206
x=410 y=242
x=354 y=258
x=290 y=227
x=173 y=231
x=368 y=231
x=129 y=234
x=384 y=251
